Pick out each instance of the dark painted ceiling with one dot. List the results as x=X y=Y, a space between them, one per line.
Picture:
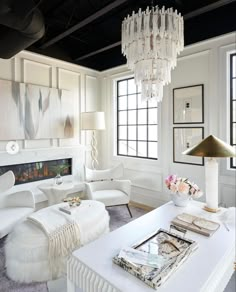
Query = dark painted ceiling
x=99 y=26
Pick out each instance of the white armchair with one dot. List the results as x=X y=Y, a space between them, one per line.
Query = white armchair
x=104 y=186
x=14 y=207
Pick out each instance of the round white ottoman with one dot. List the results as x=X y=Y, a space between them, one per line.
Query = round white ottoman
x=26 y=248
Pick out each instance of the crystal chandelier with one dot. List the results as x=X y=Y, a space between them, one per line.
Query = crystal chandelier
x=151 y=41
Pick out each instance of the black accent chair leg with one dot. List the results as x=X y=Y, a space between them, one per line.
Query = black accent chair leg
x=129 y=210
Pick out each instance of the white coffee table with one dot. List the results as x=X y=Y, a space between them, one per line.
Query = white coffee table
x=209 y=268
x=56 y=193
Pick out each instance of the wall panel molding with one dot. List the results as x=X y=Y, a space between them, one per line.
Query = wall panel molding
x=193 y=55
x=60 y=71
x=89 y=80
x=39 y=73
x=7 y=69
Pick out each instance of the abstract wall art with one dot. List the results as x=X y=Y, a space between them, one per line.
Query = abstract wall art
x=35 y=112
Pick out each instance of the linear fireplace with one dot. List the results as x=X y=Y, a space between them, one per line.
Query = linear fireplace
x=39 y=170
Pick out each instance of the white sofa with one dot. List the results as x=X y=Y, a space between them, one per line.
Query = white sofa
x=14 y=207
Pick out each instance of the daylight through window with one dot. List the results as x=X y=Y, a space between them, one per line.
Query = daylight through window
x=137 y=122
x=233 y=106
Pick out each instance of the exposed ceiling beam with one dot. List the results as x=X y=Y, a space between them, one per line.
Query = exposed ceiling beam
x=189 y=15
x=207 y=8
x=98 y=51
x=54 y=8
x=84 y=22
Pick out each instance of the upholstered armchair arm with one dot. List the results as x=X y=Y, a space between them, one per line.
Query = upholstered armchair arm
x=20 y=199
x=122 y=185
x=89 y=190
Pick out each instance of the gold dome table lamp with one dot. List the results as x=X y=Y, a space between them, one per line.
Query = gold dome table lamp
x=211 y=147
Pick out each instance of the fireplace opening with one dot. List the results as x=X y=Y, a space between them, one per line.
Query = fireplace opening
x=40 y=170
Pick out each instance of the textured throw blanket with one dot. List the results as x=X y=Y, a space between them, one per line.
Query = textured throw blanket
x=62 y=231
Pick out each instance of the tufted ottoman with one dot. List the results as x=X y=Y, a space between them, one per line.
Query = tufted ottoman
x=27 y=246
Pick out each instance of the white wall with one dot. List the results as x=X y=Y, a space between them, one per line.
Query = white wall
x=204 y=62
x=32 y=68
x=201 y=63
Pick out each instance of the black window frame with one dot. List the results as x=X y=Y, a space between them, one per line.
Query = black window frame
x=136 y=124
x=231 y=105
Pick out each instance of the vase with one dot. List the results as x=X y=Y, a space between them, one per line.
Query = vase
x=180 y=200
x=58 y=179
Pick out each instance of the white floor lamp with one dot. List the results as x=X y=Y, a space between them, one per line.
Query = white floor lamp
x=93 y=121
x=212 y=148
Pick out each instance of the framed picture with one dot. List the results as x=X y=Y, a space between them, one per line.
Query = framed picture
x=188 y=104
x=184 y=138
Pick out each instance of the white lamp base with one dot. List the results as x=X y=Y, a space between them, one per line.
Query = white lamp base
x=211 y=180
x=94 y=152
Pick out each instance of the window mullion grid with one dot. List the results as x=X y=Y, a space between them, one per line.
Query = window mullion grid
x=232 y=165
x=136 y=120
x=117 y=118
x=127 y=102
x=147 y=140
x=147 y=131
x=231 y=99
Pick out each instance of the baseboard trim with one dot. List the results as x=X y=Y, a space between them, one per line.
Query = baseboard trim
x=151 y=199
x=141 y=206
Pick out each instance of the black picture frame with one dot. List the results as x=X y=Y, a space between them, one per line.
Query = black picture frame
x=183 y=138
x=188 y=104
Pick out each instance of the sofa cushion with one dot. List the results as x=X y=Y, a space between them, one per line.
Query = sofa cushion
x=111 y=197
x=10 y=216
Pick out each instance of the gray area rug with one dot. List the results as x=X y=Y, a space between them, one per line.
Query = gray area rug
x=118 y=217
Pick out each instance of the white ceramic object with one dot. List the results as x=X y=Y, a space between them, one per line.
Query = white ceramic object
x=180 y=200
x=211 y=180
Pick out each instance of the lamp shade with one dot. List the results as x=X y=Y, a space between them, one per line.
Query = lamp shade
x=93 y=121
x=211 y=147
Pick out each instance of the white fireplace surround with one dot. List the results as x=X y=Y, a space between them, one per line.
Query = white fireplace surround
x=26 y=156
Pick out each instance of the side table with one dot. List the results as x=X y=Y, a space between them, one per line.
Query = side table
x=56 y=193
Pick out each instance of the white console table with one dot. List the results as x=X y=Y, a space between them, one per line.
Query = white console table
x=56 y=193
x=208 y=269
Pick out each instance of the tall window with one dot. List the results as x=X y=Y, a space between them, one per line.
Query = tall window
x=137 y=122
x=233 y=105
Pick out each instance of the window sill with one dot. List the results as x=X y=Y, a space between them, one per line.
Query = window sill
x=139 y=164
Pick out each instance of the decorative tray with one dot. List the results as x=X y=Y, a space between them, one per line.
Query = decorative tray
x=156 y=257
x=197 y=224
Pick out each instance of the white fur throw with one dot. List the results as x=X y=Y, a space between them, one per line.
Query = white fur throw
x=62 y=231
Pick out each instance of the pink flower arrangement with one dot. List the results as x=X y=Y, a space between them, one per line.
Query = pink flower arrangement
x=182 y=186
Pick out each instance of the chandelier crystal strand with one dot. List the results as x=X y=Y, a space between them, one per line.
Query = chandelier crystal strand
x=151 y=41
